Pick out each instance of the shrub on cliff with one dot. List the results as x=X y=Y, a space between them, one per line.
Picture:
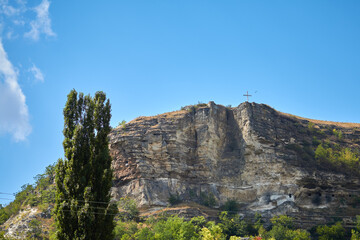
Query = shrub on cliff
x=174 y=199
x=207 y=199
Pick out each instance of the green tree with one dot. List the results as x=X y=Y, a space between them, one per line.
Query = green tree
x=283 y=229
x=355 y=233
x=321 y=154
x=233 y=225
x=334 y=232
x=84 y=177
x=175 y=228
x=212 y=232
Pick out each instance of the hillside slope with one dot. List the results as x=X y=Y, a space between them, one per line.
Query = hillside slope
x=265 y=160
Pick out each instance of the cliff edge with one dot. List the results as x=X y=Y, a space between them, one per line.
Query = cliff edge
x=261 y=158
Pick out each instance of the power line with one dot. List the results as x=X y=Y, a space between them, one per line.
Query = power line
x=6 y=199
x=7 y=193
x=86 y=201
x=164 y=210
x=112 y=214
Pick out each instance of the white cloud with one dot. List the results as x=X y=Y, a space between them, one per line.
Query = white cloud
x=19 y=22
x=10 y=35
x=38 y=75
x=14 y=116
x=42 y=23
x=8 y=10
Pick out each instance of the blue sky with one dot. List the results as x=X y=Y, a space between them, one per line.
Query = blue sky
x=150 y=57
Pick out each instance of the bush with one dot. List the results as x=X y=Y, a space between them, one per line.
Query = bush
x=129 y=209
x=334 y=232
x=175 y=228
x=283 y=229
x=315 y=141
x=311 y=126
x=338 y=156
x=338 y=134
x=212 y=232
x=174 y=199
x=233 y=225
x=230 y=206
x=122 y=124
x=35 y=231
x=207 y=199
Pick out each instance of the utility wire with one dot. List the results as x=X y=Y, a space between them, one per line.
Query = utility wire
x=6 y=199
x=7 y=193
x=64 y=199
x=162 y=210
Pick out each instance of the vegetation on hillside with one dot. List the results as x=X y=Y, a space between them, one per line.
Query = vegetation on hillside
x=40 y=194
x=229 y=226
x=329 y=148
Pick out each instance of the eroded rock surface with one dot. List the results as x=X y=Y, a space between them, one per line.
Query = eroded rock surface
x=251 y=153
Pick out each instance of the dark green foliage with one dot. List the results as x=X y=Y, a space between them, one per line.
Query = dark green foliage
x=84 y=177
x=338 y=134
x=315 y=141
x=207 y=199
x=145 y=234
x=199 y=222
x=283 y=221
x=175 y=228
x=311 y=127
x=334 y=232
x=174 y=199
x=230 y=206
x=35 y=231
x=165 y=229
x=355 y=233
x=337 y=157
x=258 y=222
x=283 y=229
x=129 y=210
x=233 y=225
x=315 y=130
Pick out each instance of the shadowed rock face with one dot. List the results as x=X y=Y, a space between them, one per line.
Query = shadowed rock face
x=250 y=153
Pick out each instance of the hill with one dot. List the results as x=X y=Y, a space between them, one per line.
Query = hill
x=206 y=158
x=265 y=160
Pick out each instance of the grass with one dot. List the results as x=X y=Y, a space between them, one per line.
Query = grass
x=338 y=124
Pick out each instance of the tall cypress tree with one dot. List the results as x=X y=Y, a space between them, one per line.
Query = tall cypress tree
x=83 y=178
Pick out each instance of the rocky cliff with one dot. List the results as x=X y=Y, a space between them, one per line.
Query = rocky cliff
x=253 y=154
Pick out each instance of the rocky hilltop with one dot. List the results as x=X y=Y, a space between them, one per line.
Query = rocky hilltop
x=261 y=158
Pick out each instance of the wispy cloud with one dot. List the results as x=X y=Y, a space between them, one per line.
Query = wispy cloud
x=38 y=75
x=42 y=23
x=14 y=116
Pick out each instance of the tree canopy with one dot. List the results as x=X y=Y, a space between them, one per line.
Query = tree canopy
x=84 y=177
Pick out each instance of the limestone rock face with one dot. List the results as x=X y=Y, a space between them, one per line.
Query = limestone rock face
x=251 y=153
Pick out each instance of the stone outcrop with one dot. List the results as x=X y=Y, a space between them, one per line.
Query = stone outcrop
x=252 y=153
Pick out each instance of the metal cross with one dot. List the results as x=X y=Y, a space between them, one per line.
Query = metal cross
x=247 y=96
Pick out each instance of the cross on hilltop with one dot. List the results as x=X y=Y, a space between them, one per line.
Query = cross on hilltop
x=247 y=96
